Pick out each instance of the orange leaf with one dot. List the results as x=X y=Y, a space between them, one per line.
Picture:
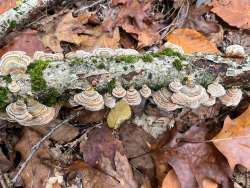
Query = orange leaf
x=234 y=12
x=6 y=5
x=171 y=180
x=233 y=140
x=191 y=41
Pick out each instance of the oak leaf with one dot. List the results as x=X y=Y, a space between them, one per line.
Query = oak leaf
x=233 y=140
x=234 y=12
x=191 y=41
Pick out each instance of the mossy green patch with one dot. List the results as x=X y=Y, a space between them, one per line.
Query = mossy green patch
x=127 y=58
x=7 y=79
x=168 y=52
x=111 y=86
x=177 y=64
x=48 y=96
x=36 y=74
x=147 y=57
x=3 y=97
x=100 y=66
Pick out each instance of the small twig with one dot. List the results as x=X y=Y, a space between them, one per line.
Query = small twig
x=35 y=148
x=87 y=7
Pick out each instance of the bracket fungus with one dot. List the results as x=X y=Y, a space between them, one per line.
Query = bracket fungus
x=14 y=87
x=133 y=97
x=174 y=47
x=145 y=91
x=163 y=101
x=17 y=111
x=190 y=95
x=77 y=54
x=235 y=51
x=32 y=114
x=104 y=52
x=109 y=100
x=122 y=51
x=175 y=86
x=215 y=89
x=40 y=55
x=14 y=62
x=118 y=91
x=90 y=99
x=232 y=97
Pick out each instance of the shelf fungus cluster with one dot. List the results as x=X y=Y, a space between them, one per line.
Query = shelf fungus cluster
x=193 y=95
x=31 y=113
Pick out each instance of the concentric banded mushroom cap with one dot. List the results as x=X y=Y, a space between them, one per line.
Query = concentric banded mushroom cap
x=235 y=51
x=18 y=111
x=14 y=87
x=215 y=89
x=163 y=101
x=42 y=114
x=109 y=100
x=122 y=51
x=175 y=86
x=119 y=91
x=174 y=47
x=190 y=95
x=210 y=102
x=232 y=97
x=77 y=54
x=145 y=91
x=40 y=55
x=90 y=99
x=104 y=52
x=133 y=97
x=14 y=62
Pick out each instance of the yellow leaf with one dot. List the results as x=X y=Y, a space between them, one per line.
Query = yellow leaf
x=120 y=113
x=233 y=140
x=171 y=180
x=191 y=41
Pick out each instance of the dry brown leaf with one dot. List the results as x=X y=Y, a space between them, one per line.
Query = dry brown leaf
x=171 y=181
x=100 y=143
x=234 y=12
x=207 y=183
x=192 y=162
x=191 y=41
x=234 y=140
x=27 y=41
x=36 y=173
x=6 y=5
x=5 y=164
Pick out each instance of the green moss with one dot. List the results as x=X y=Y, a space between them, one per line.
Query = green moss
x=3 y=97
x=7 y=79
x=75 y=61
x=111 y=86
x=48 y=96
x=147 y=57
x=127 y=58
x=52 y=96
x=36 y=74
x=177 y=64
x=12 y=23
x=125 y=68
x=168 y=52
x=100 y=66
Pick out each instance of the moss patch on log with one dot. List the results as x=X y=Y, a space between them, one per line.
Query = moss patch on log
x=3 y=97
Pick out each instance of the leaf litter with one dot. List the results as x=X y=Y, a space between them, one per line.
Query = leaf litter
x=87 y=151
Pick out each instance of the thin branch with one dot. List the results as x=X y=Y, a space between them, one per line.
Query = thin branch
x=87 y=7
x=35 y=148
